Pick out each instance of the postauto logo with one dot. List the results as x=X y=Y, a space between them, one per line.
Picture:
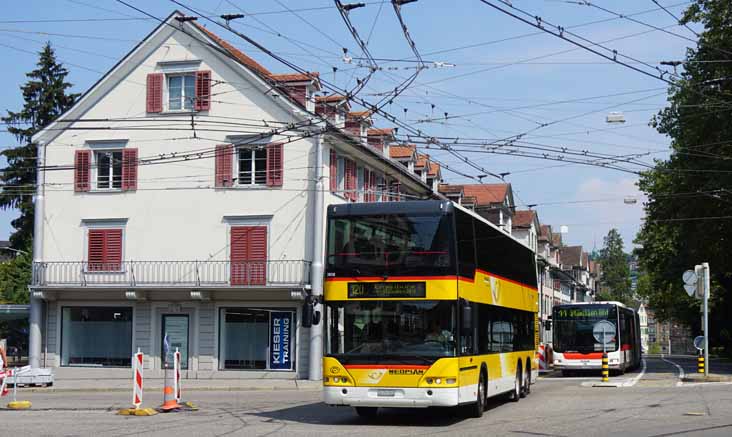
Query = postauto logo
x=406 y=371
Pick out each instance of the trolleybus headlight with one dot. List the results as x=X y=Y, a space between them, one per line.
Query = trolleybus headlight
x=344 y=380
x=438 y=380
x=429 y=380
x=325 y=379
x=450 y=380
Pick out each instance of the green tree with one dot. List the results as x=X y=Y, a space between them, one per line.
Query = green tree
x=690 y=193
x=15 y=275
x=45 y=98
x=615 y=277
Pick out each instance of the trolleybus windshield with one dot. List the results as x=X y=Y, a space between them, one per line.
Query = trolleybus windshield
x=573 y=326
x=390 y=245
x=416 y=332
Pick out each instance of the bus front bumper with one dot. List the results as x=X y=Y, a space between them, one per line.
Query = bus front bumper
x=584 y=364
x=391 y=396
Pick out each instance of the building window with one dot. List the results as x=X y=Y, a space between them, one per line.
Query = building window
x=104 y=250
x=252 y=166
x=256 y=339
x=96 y=336
x=108 y=169
x=181 y=92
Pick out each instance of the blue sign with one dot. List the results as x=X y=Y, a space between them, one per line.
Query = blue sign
x=280 y=340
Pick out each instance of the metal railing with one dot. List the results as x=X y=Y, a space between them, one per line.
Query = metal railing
x=172 y=274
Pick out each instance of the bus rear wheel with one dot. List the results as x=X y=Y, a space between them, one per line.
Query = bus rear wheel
x=367 y=411
x=515 y=394
x=527 y=383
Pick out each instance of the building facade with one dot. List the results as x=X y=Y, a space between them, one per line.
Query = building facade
x=192 y=211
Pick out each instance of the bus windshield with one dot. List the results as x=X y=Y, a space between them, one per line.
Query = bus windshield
x=390 y=245
x=573 y=327
x=416 y=332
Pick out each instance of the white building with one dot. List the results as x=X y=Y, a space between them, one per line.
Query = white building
x=189 y=199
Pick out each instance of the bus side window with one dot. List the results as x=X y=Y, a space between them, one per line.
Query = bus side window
x=465 y=244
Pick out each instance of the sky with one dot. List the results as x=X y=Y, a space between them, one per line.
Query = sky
x=495 y=76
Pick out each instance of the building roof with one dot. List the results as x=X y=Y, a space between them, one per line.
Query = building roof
x=450 y=189
x=422 y=160
x=333 y=98
x=545 y=232
x=406 y=151
x=571 y=255
x=359 y=114
x=434 y=169
x=556 y=239
x=523 y=218
x=384 y=131
x=233 y=51
x=487 y=194
x=296 y=77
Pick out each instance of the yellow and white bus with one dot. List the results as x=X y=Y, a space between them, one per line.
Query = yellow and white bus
x=427 y=304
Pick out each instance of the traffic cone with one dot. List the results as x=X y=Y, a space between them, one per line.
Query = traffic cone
x=169 y=392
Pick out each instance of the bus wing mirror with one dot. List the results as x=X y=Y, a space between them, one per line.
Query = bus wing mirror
x=316 y=317
x=547 y=325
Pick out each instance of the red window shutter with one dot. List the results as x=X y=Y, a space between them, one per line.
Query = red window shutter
x=274 y=165
x=333 y=171
x=224 y=165
x=351 y=180
x=95 y=258
x=203 y=91
x=104 y=250
x=248 y=255
x=113 y=257
x=82 y=166
x=155 y=92
x=129 y=169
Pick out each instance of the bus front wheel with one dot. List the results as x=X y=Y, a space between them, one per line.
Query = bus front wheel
x=476 y=409
x=367 y=411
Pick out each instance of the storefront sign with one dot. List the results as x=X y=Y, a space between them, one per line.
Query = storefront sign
x=280 y=344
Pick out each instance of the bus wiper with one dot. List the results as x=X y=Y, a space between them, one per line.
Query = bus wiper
x=417 y=357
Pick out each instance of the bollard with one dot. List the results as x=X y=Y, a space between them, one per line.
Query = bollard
x=542 y=358
x=700 y=363
x=605 y=369
x=15 y=404
x=137 y=368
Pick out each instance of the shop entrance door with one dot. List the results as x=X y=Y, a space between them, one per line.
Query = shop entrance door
x=175 y=326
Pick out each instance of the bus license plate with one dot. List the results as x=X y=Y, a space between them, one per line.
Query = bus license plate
x=384 y=393
x=585 y=361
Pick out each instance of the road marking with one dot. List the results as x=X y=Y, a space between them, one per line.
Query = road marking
x=681 y=371
x=637 y=377
x=694 y=384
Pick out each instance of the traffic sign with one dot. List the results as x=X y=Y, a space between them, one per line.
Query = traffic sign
x=689 y=277
x=690 y=289
x=699 y=342
x=604 y=331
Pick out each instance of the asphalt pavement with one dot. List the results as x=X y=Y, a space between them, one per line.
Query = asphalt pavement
x=648 y=402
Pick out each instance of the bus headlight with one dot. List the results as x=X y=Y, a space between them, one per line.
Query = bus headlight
x=428 y=380
x=451 y=380
x=438 y=380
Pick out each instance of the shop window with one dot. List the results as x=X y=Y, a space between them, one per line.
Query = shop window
x=256 y=339
x=96 y=336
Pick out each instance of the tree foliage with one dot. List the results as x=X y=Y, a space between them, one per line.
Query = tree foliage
x=690 y=193
x=45 y=98
x=15 y=275
x=615 y=277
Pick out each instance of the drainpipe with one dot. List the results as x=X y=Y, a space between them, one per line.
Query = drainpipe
x=34 y=340
x=316 y=270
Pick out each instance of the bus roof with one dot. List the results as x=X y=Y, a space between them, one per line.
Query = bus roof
x=436 y=207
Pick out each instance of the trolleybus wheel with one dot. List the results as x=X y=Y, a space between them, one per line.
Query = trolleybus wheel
x=367 y=411
x=476 y=409
x=515 y=394
x=527 y=382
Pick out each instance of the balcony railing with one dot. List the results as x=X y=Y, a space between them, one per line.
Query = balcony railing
x=172 y=274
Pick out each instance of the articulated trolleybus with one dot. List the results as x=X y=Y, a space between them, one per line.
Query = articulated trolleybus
x=427 y=304
x=577 y=339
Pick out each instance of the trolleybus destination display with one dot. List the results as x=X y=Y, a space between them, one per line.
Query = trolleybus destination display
x=387 y=289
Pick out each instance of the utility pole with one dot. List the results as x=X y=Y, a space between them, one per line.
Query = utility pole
x=705 y=268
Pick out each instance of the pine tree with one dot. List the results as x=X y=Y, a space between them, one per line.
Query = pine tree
x=45 y=98
x=615 y=270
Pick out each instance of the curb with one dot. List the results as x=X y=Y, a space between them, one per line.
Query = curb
x=126 y=390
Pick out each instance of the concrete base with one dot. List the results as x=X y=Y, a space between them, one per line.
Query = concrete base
x=33 y=377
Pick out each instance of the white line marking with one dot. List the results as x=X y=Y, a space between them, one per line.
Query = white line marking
x=694 y=384
x=637 y=377
x=681 y=371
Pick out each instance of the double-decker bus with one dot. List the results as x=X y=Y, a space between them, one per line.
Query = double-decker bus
x=576 y=345
x=427 y=304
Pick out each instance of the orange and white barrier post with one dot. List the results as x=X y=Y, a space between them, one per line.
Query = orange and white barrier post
x=177 y=366
x=169 y=390
x=137 y=382
x=137 y=389
x=542 y=358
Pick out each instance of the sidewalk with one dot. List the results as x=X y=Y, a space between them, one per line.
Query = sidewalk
x=696 y=377
x=154 y=384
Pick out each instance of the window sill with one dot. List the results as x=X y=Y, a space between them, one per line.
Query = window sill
x=249 y=187
x=178 y=112
x=104 y=272
x=107 y=190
